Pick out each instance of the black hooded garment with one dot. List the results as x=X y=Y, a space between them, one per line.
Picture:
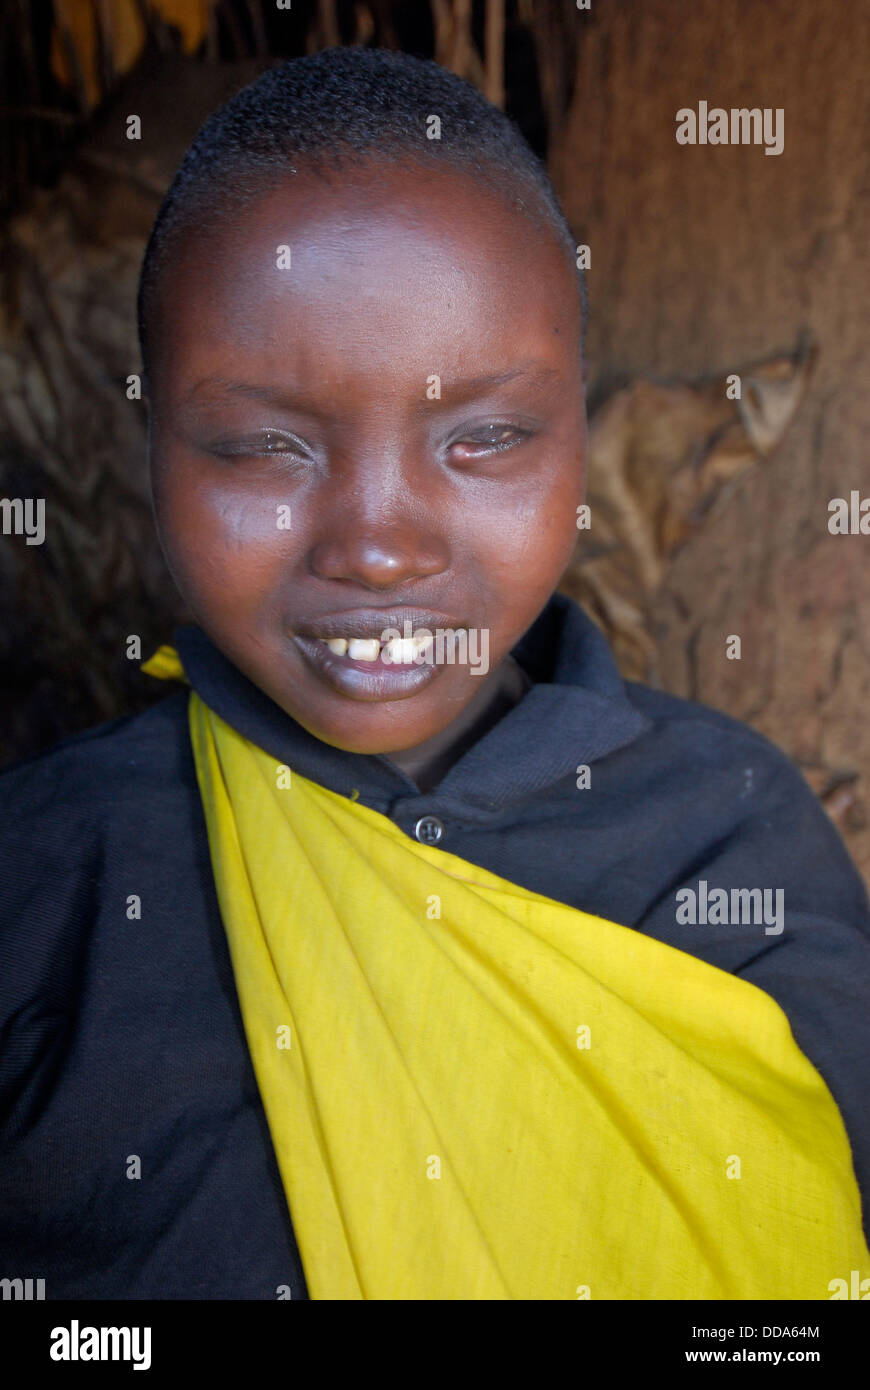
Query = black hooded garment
x=121 y=1038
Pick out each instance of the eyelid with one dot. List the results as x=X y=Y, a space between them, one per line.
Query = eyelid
x=245 y=445
x=509 y=421
x=522 y=431
x=252 y=445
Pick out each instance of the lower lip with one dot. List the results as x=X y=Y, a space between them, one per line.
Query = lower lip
x=365 y=680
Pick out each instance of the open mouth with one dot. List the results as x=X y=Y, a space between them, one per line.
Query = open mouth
x=378 y=654
x=395 y=651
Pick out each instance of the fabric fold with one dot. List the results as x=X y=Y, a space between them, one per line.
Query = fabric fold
x=475 y=1092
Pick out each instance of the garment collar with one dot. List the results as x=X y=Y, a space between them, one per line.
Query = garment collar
x=576 y=712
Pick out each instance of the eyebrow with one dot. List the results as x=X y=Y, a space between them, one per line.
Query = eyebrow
x=277 y=395
x=533 y=370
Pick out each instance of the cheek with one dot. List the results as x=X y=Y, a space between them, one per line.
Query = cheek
x=223 y=541
x=532 y=533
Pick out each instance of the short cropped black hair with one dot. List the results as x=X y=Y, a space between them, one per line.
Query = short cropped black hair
x=337 y=105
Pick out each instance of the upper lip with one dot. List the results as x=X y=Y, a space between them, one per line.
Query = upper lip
x=373 y=622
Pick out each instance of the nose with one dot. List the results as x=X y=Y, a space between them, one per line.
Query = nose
x=379 y=528
x=379 y=557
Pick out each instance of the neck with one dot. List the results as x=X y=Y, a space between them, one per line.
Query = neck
x=429 y=762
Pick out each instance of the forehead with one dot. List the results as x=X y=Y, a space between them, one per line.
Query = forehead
x=391 y=269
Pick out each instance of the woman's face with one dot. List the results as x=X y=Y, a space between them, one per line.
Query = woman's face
x=382 y=425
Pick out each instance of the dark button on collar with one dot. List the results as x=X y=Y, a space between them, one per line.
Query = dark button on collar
x=429 y=830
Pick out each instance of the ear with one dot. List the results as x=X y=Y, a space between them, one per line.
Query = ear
x=772 y=392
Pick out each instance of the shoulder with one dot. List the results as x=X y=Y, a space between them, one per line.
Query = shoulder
x=702 y=724
x=84 y=825
x=76 y=807
x=724 y=779
x=706 y=741
x=98 y=767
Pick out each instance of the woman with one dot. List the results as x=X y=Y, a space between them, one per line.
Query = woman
x=380 y=919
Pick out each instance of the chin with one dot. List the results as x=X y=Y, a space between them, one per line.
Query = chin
x=376 y=714
x=385 y=735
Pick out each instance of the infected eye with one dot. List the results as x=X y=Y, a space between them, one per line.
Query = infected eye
x=490 y=439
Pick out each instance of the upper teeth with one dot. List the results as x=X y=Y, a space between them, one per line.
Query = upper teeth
x=362 y=648
x=398 y=649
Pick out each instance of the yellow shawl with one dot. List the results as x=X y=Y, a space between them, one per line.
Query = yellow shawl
x=475 y=1092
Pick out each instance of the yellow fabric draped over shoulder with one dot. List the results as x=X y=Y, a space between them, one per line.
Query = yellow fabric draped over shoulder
x=475 y=1092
